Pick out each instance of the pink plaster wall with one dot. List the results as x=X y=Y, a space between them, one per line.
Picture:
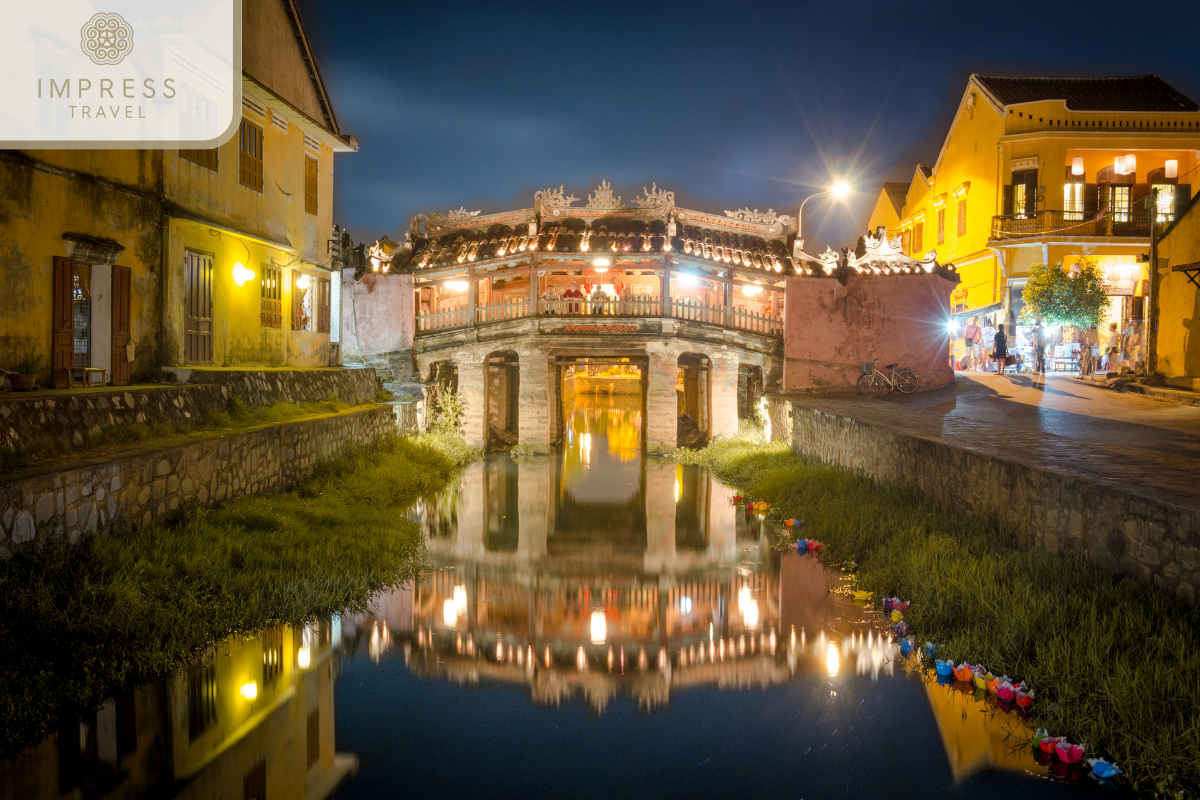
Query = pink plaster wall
x=830 y=329
x=377 y=314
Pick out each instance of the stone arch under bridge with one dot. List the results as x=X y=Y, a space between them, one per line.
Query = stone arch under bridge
x=533 y=352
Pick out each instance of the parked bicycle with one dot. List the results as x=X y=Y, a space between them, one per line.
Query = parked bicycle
x=872 y=381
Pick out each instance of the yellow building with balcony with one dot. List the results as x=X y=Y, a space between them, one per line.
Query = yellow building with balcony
x=1046 y=171
x=129 y=261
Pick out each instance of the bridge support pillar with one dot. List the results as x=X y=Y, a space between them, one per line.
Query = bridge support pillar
x=660 y=516
x=724 y=396
x=533 y=493
x=662 y=405
x=470 y=389
x=533 y=420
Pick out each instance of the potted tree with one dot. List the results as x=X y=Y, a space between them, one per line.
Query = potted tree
x=27 y=368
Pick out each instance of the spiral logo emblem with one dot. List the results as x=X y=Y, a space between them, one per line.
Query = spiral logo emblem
x=106 y=39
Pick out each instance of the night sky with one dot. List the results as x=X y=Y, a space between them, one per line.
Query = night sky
x=727 y=104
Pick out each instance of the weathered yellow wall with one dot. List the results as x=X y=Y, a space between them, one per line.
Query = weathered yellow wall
x=46 y=193
x=884 y=213
x=1178 y=335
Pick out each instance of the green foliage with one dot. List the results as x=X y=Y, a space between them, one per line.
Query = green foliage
x=1114 y=662
x=1057 y=298
x=82 y=622
x=384 y=396
x=446 y=413
x=31 y=362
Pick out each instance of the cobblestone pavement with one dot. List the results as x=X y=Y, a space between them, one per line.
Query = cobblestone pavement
x=1062 y=424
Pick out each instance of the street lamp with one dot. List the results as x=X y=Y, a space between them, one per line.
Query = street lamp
x=839 y=190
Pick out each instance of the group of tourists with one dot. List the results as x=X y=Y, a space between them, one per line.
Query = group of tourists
x=571 y=300
x=988 y=348
x=984 y=348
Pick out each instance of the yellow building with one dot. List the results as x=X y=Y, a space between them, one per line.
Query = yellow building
x=1044 y=171
x=1177 y=343
x=132 y=260
x=252 y=718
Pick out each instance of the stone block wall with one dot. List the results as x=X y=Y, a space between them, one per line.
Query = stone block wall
x=1155 y=541
x=264 y=387
x=73 y=417
x=143 y=487
x=26 y=420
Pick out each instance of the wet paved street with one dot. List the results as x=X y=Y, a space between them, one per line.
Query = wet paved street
x=1123 y=440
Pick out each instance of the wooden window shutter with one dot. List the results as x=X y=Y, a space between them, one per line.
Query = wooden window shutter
x=62 y=357
x=962 y=217
x=207 y=158
x=271 y=312
x=1138 y=195
x=121 y=297
x=1008 y=200
x=1183 y=196
x=1091 y=200
x=310 y=185
x=941 y=230
x=1031 y=192
x=297 y=302
x=918 y=242
x=323 y=298
x=250 y=156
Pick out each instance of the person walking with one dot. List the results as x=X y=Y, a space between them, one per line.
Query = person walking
x=1000 y=349
x=987 y=342
x=1112 y=348
x=1087 y=352
x=1039 y=347
x=971 y=337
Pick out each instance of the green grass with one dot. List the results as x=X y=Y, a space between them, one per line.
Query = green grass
x=81 y=622
x=1115 y=664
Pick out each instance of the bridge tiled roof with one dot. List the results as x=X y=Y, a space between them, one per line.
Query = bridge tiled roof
x=602 y=236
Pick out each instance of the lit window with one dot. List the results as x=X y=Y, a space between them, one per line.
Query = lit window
x=1166 y=202
x=1019 y=200
x=1072 y=201
x=1118 y=204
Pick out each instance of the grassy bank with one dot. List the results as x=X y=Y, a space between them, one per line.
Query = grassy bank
x=1115 y=664
x=81 y=622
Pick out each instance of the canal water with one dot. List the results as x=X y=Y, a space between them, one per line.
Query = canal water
x=593 y=624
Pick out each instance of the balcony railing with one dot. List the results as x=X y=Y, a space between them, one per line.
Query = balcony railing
x=607 y=308
x=498 y=313
x=1073 y=223
x=767 y=324
x=437 y=320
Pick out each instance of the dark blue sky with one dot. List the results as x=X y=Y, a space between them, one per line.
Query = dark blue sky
x=727 y=104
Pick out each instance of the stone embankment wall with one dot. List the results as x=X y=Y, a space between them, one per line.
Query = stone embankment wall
x=1157 y=542
x=146 y=486
x=26 y=421
x=263 y=387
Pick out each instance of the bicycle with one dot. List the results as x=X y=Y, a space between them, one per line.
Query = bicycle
x=872 y=381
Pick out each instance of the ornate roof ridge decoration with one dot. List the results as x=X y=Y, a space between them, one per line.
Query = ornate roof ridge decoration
x=554 y=198
x=603 y=198
x=655 y=198
x=776 y=229
x=438 y=224
x=884 y=255
x=746 y=215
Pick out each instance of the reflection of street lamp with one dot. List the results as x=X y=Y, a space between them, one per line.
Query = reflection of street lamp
x=839 y=190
